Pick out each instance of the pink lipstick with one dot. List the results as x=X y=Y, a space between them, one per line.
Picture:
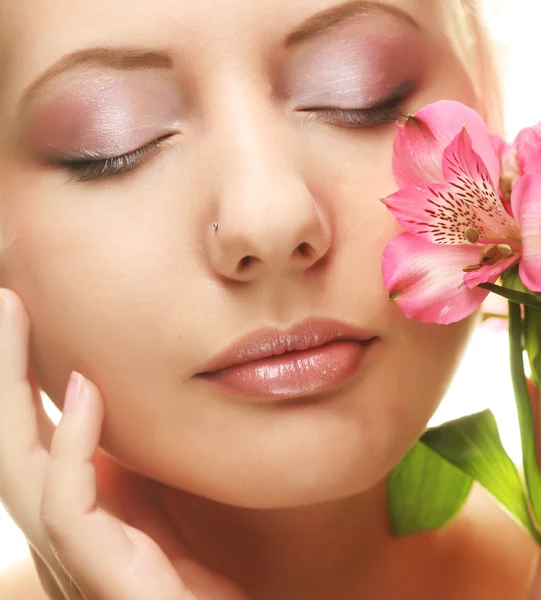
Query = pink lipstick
x=309 y=358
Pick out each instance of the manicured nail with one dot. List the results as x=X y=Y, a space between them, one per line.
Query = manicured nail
x=74 y=389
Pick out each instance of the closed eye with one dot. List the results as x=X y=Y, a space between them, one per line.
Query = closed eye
x=100 y=167
x=382 y=113
x=388 y=111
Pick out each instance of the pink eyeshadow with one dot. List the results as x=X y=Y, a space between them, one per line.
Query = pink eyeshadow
x=357 y=65
x=108 y=112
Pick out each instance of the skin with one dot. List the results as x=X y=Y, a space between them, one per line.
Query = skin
x=125 y=282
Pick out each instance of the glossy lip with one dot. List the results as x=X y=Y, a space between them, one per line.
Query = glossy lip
x=272 y=342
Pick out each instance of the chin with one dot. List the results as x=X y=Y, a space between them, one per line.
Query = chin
x=295 y=455
x=299 y=470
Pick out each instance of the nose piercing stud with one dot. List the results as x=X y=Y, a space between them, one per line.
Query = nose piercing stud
x=215 y=226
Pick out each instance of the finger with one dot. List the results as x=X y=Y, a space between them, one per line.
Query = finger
x=19 y=436
x=49 y=582
x=23 y=459
x=24 y=425
x=105 y=557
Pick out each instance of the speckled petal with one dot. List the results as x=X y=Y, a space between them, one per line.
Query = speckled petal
x=469 y=179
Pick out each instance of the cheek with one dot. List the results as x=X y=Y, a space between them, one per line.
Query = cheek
x=424 y=358
x=408 y=383
x=102 y=294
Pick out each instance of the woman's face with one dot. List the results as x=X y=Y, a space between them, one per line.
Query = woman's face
x=239 y=111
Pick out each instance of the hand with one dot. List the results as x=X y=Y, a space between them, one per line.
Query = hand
x=95 y=529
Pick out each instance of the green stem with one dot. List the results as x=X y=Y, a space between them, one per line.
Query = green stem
x=532 y=473
x=512 y=295
x=532 y=339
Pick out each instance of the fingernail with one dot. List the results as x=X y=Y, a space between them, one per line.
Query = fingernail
x=73 y=391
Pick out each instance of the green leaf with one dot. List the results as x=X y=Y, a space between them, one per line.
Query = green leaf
x=424 y=491
x=532 y=473
x=512 y=295
x=511 y=279
x=473 y=445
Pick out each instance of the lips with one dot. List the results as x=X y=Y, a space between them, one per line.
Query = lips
x=311 y=357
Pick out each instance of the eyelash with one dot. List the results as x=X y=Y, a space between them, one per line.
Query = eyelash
x=85 y=170
x=384 y=113
x=359 y=118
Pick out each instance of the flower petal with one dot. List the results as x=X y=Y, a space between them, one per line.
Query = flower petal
x=442 y=214
x=510 y=171
x=528 y=147
x=469 y=180
x=501 y=146
x=435 y=214
x=489 y=272
x=416 y=154
x=426 y=280
x=420 y=142
x=526 y=203
x=508 y=156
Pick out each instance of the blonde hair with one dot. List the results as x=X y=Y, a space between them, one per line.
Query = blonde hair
x=467 y=28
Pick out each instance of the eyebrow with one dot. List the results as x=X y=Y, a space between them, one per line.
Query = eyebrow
x=337 y=15
x=124 y=59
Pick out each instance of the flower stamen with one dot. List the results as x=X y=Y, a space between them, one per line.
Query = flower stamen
x=490 y=255
x=504 y=250
x=472 y=235
x=470 y=268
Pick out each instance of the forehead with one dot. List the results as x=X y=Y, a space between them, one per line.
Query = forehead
x=55 y=25
x=35 y=34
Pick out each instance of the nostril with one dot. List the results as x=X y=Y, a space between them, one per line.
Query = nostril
x=248 y=262
x=304 y=249
x=245 y=262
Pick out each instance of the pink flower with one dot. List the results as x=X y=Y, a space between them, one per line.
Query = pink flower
x=510 y=171
x=527 y=147
x=522 y=157
x=459 y=233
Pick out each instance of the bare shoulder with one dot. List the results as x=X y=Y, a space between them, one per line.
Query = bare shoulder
x=21 y=581
x=497 y=553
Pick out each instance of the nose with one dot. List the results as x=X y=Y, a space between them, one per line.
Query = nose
x=268 y=222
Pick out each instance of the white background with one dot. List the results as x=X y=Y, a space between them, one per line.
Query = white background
x=483 y=380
